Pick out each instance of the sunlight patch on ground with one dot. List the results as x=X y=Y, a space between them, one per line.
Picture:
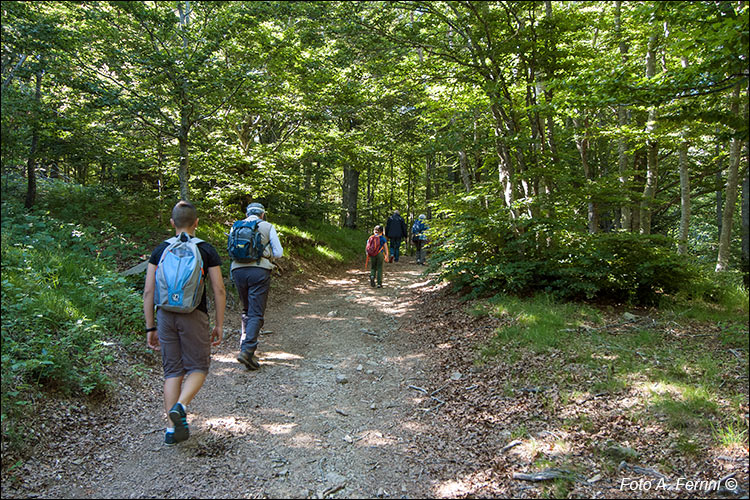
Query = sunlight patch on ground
x=340 y=282
x=376 y=438
x=224 y=358
x=231 y=424
x=401 y=359
x=608 y=357
x=305 y=440
x=279 y=428
x=649 y=389
x=454 y=488
x=419 y=284
x=269 y=355
x=415 y=427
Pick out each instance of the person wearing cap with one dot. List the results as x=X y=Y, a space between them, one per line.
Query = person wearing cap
x=395 y=230
x=253 y=280
x=419 y=238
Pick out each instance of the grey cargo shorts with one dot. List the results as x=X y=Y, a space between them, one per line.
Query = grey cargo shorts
x=185 y=341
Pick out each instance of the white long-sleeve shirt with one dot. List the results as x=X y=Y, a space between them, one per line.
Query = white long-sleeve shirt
x=270 y=239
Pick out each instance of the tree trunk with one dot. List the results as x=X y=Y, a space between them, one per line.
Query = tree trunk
x=184 y=171
x=307 y=189
x=582 y=143
x=649 y=191
x=684 y=199
x=463 y=165
x=746 y=224
x=625 y=221
x=428 y=183
x=350 y=194
x=31 y=162
x=684 y=190
x=722 y=262
x=505 y=165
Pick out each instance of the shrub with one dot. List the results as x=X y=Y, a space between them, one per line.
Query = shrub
x=480 y=247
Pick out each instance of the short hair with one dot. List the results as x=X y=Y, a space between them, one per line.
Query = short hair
x=379 y=228
x=184 y=214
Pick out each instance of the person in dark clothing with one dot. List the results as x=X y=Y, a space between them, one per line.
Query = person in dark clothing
x=253 y=281
x=395 y=231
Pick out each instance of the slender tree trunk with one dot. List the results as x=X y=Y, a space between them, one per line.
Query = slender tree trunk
x=639 y=160
x=463 y=164
x=307 y=189
x=428 y=182
x=409 y=201
x=392 y=182
x=682 y=247
x=746 y=222
x=735 y=148
x=625 y=221
x=649 y=191
x=684 y=199
x=476 y=152
x=582 y=143
x=31 y=162
x=12 y=72
x=350 y=195
x=184 y=169
x=505 y=164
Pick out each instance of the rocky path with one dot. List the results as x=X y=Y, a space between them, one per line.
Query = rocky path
x=330 y=413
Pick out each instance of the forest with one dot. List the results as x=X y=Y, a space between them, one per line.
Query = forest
x=582 y=167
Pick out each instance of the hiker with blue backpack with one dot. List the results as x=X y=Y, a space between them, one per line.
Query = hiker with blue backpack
x=419 y=237
x=376 y=250
x=252 y=244
x=175 y=285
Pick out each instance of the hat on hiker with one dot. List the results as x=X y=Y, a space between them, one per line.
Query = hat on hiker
x=422 y=216
x=255 y=209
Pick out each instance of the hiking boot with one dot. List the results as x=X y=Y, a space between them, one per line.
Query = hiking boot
x=179 y=419
x=380 y=286
x=249 y=359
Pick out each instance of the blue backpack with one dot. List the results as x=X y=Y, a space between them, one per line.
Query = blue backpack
x=180 y=275
x=245 y=242
x=417 y=230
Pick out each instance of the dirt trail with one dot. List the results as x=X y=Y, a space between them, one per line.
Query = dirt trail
x=330 y=413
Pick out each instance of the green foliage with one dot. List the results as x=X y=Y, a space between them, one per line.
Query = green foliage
x=482 y=248
x=732 y=434
x=61 y=303
x=539 y=322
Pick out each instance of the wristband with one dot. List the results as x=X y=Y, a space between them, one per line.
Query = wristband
x=153 y=328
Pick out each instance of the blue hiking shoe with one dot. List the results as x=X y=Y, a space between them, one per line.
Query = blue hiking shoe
x=179 y=419
x=169 y=439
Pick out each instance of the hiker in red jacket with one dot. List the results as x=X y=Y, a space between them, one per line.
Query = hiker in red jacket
x=377 y=251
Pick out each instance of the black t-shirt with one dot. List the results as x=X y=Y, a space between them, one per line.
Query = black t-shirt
x=210 y=259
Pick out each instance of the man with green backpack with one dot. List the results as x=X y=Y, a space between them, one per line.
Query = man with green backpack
x=251 y=244
x=175 y=285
